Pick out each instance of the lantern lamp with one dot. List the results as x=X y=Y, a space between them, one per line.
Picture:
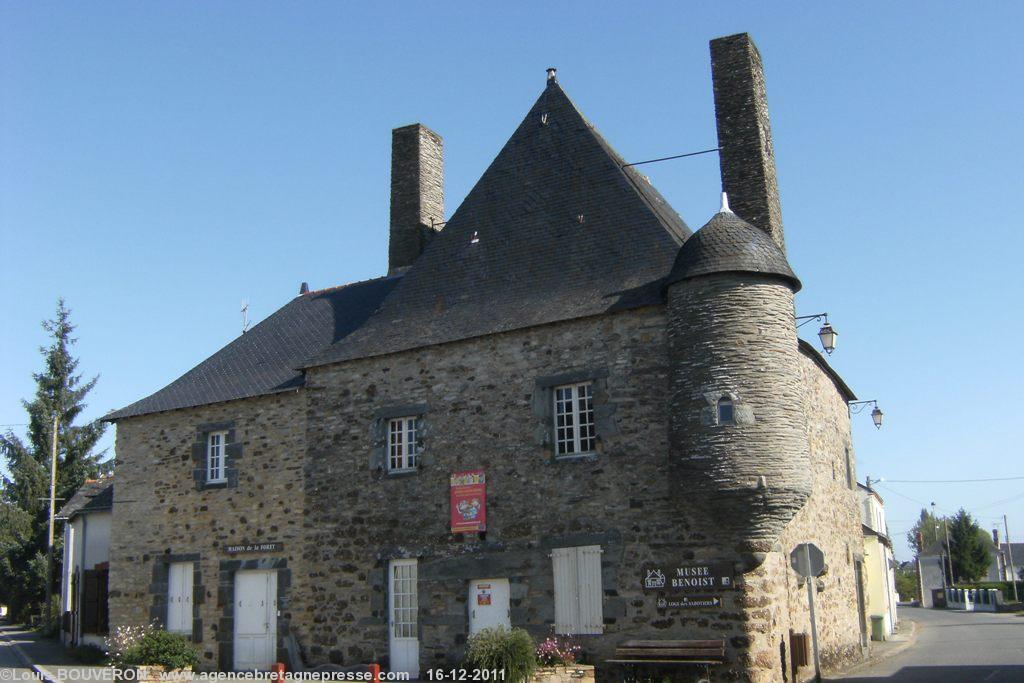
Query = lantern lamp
x=828 y=336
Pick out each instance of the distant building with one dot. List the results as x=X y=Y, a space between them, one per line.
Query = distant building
x=999 y=569
x=879 y=561
x=83 y=585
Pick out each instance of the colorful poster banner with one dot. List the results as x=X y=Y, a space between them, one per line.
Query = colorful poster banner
x=469 y=501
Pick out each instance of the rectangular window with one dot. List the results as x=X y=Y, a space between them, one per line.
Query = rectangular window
x=578 y=591
x=216 y=471
x=403 y=444
x=575 y=433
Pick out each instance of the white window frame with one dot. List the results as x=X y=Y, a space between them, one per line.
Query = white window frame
x=403 y=440
x=216 y=457
x=579 y=593
x=574 y=422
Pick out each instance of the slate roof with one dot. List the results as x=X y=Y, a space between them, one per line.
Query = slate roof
x=728 y=244
x=534 y=260
x=265 y=359
x=92 y=496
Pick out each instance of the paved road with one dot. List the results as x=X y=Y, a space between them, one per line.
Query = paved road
x=953 y=647
x=11 y=665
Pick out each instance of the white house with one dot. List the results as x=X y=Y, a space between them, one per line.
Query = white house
x=83 y=584
x=879 y=562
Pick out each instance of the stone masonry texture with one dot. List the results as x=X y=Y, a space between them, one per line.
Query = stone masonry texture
x=733 y=336
x=747 y=158
x=162 y=516
x=417 y=192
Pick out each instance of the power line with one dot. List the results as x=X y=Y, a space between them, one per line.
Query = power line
x=950 y=481
x=677 y=156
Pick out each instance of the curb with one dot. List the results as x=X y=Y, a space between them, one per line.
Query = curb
x=887 y=654
x=42 y=673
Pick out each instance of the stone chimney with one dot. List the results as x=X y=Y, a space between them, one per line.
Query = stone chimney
x=744 y=134
x=417 y=193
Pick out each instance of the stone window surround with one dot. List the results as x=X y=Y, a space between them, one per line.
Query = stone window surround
x=543 y=404
x=742 y=412
x=226 y=603
x=232 y=452
x=160 y=585
x=382 y=417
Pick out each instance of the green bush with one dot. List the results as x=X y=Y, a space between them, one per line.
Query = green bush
x=172 y=651
x=513 y=652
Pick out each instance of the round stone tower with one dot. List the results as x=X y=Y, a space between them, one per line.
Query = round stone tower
x=738 y=431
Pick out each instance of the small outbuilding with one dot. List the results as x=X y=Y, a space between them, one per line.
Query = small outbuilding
x=83 y=585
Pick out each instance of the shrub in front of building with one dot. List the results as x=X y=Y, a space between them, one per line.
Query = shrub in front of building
x=497 y=649
x=148 y=646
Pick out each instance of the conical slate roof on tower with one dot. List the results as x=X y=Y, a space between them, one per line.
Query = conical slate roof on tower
x=728 y=244
x=555 y=229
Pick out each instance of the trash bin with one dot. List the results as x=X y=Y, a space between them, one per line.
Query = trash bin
x=877 y=627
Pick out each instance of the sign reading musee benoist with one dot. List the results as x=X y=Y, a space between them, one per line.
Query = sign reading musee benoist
x=254 y=548
x=688 y=577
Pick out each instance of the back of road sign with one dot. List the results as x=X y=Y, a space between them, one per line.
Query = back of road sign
x=807 y=560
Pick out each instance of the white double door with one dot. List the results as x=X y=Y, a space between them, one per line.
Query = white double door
x=255 y=620
x=403 y=624
x=488 y=605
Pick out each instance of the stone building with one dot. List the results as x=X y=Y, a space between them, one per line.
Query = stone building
x=561 y=410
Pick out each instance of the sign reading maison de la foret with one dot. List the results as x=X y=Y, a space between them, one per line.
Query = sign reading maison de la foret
x=253 y=548
x=689 y=577
x=469 y=501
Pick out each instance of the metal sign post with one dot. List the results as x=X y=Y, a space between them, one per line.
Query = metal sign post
x=809 y=562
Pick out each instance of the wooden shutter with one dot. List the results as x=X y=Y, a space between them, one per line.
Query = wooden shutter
x=563 y=562
x=90 y=602
x=102 y=613
x=179 y=597
x=589 y=591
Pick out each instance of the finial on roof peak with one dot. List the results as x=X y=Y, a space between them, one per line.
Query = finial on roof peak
x=551 y=74
x=725 y=204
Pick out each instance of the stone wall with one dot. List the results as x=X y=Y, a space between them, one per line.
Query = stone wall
x=163 y=514
x=482 y=403
x=830 y=520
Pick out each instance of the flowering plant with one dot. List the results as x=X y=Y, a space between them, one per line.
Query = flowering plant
x=124 y=639
x=556 y=651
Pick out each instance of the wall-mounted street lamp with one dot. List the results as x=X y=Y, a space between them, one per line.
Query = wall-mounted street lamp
x=876 y=413
x=827 y=334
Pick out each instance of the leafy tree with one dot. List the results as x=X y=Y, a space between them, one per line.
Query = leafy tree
x=907 y=582
x=24 y=505
x=930 y=529
x=967 y=547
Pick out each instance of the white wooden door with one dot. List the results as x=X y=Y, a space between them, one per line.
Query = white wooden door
x=404 y=642
x=488 y=605
x=179 y=597
x=255 y=620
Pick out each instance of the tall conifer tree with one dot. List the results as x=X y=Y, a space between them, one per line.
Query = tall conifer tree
x=24 y=505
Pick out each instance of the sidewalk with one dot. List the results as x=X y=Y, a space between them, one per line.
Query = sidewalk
x=48 y=658
x=900 y=640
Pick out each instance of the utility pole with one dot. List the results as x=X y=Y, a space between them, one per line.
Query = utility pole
x=48 y=610
x=949 y=553
x=1009 y=554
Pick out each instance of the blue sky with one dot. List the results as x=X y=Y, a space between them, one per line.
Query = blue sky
x=160 y=162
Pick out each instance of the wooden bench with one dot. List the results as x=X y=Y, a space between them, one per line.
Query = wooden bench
x=666 y=653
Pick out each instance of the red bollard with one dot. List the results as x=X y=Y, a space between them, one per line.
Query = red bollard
x=277 y=671
x=374 y=672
